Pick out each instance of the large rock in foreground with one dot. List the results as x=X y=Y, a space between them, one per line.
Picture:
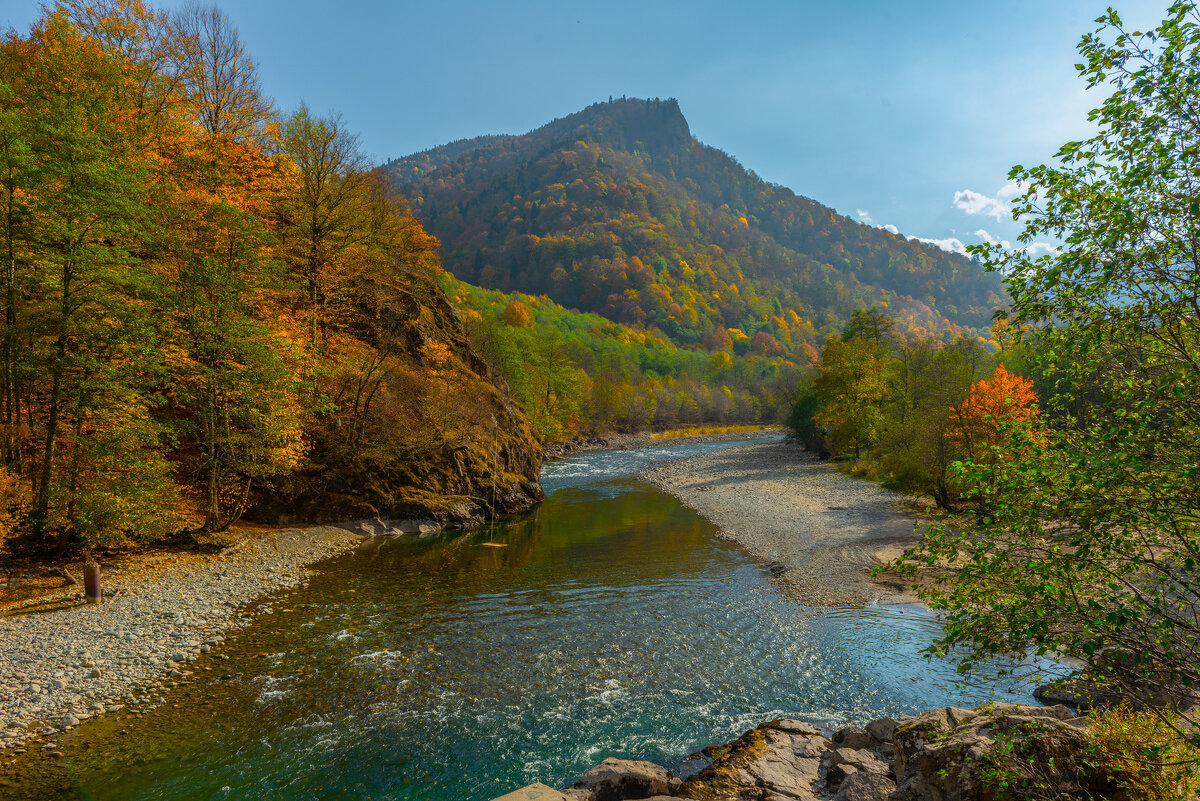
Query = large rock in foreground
x=954 y=754
x=617 y=779
x=947 y=754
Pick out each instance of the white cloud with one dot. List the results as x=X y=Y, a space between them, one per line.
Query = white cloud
x=991 y=240
x=1041 y=249
x=951 y=244
x=1012 y=189
x=865 y=218
x=973 y=202
x=1034 y=250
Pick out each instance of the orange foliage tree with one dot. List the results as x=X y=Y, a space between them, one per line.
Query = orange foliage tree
x=518 y=315
x=978 y=422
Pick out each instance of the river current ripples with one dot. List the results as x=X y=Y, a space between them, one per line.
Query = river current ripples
x=611 y=623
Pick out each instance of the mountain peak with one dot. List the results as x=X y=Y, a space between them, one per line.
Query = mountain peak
x=654 y=126
x=617 y=210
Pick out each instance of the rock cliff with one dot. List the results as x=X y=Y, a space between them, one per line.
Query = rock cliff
x=418 y=427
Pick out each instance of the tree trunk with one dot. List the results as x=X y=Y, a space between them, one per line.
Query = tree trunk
x=212 y=512
x=42 y=509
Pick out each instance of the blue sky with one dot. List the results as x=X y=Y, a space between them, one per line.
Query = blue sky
x=907 y=114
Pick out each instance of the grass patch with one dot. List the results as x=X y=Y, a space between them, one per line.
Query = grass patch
x=707 y=431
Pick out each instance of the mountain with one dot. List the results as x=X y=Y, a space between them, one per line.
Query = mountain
x=620 y=211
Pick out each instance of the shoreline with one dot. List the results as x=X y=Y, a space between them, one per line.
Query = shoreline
x=65 y=660
x=820 y=531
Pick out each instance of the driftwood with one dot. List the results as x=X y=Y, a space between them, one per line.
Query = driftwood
x=66 y=574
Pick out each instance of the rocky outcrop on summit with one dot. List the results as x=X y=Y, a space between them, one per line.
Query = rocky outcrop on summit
x=947 y=754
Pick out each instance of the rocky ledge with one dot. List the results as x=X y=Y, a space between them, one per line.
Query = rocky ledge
x=947 y=754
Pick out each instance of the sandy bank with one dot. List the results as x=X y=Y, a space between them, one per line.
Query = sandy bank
x=824 y=531
x=63 y=661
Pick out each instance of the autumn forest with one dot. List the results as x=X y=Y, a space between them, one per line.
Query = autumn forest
x=227 y=324
x=217 y=308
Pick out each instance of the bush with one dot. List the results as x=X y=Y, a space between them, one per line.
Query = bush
x=1144 y=749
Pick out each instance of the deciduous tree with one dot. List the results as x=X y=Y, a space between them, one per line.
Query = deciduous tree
x=1091 y=541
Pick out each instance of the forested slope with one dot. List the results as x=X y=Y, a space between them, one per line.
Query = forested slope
x=618 y=210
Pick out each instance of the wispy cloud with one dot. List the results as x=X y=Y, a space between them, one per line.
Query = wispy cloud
x=890 y=228
x=1041 y=249
x=973 y=202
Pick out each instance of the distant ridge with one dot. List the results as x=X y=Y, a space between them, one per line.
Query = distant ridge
x=618 y=209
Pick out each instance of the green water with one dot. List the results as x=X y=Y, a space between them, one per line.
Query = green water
x=612 y=624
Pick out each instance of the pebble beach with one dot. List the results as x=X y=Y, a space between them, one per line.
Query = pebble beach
x=63 y=661
x=821 y=531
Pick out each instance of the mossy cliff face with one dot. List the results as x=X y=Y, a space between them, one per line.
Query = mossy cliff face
x=410 y=421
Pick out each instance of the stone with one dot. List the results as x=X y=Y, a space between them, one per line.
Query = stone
x=178 y=656
x=58 y=684
x=865 y=787
x=859 y=758
x=618 y=779
x=853 y=737
x=779 y=759
x=533 y=792
x=949 y=753
x=794 y=726
x=837 y=773
x=881 y=729
x=69 y=720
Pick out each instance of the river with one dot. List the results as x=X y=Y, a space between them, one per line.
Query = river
x=612 y=622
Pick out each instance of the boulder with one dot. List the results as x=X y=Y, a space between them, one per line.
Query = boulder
x=619 y=779
x=842 y=763
x=865 y=787
x=954 y=754
x=779 y=759
x=533 y=792
x=881 y=729
x=853 y=737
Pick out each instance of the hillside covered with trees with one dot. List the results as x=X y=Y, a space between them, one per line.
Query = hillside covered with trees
x=581 y=374
x=617 y=210
x=212 y=308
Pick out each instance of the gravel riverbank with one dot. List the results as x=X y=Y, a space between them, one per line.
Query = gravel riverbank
x=823 y=531
x=63 y=661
